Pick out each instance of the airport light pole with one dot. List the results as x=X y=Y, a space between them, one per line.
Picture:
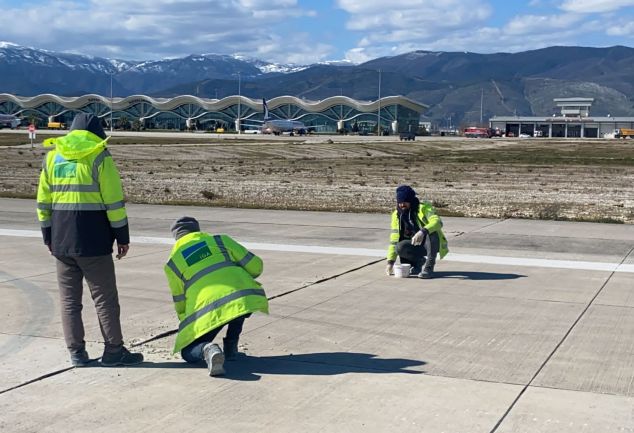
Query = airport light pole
x=481 y=104
x=111 y=74
x=378 y=113
x=239 y=102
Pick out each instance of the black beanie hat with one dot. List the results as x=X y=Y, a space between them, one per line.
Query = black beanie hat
x=405 y=193
x=184 y=225
x=88 y=122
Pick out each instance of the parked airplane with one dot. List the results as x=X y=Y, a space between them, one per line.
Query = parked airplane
x=278 y=126
x=9 y=121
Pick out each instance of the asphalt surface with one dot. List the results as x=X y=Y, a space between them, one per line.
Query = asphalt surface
x=528 y=327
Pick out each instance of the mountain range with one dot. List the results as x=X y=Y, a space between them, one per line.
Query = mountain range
x=458 y=87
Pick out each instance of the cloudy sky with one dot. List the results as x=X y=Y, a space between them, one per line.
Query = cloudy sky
x=308 y=31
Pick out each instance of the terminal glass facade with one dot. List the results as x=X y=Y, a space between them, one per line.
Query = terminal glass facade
x=397 y=114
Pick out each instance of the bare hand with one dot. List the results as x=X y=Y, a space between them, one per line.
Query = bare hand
x=122 y=250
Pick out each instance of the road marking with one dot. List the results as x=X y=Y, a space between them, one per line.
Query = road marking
x=368 y=252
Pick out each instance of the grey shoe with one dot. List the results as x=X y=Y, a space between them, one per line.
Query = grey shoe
x=426 y=274
x=215 y=359
x=121 y=358
x=80 y=359
x=230 y=348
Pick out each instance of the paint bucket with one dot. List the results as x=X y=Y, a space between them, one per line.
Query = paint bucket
x=402 y=270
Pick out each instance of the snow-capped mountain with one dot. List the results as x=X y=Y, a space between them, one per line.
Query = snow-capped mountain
x=28 y=71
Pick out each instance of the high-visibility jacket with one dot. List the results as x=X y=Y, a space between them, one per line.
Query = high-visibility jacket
x=80 y=199
x=212 y=280
x=425 y=218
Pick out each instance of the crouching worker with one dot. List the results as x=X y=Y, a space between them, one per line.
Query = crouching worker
x=416 y=236
x=212 y=280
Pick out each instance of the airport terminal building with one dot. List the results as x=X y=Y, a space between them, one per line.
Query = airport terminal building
x=573 y=121
x=395 y=113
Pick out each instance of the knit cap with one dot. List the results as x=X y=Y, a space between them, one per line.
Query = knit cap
x=405 y=193
x=184 y=225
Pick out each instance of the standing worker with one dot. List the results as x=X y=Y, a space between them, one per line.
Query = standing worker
x=416 y=235
x=81 y=210
x=212 y=280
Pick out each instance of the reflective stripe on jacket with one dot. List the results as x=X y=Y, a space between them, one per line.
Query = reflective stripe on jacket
x=212 y=281
x=80 y=196
x=426 y=218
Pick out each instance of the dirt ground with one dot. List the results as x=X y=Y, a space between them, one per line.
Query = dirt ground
x=583 y=180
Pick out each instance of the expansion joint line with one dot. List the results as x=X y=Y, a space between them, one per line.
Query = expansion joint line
x=552 y=353
x=270 y=298
x=174 y=331
x=37 y=379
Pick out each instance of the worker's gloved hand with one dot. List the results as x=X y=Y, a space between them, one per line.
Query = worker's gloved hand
x=419 y=237
x=389 y=270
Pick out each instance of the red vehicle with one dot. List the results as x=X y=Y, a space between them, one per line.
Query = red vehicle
x=477 y=132
x=480 y=132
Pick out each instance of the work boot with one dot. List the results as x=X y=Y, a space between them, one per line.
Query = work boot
x=80 y=359
x=415 y=270
x=230 y=347
x=122 y=357
x=428 y=271
x=214 y=358
x=426 y=274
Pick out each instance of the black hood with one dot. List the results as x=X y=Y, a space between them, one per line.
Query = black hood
x=88 y=122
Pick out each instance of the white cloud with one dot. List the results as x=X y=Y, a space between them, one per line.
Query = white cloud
x=621 y=29
x=521 y=33
x=140 y=29
x=401 y=26
x=373 y=15
x=406 y=24
x=536 y=24
x=594 y=6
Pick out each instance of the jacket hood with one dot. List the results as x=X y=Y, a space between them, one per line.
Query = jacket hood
x=77 y=144
x=88 y=122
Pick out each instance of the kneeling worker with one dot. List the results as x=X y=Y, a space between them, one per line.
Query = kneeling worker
x=416 y=235
x=212 y=280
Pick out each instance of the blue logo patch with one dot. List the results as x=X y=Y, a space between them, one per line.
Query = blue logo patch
x=196 y=253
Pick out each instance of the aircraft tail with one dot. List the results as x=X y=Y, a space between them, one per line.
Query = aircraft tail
x=266 y=109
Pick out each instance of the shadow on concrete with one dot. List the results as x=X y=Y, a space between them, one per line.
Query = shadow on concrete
x=317 y=364
x=250 y=368
x=476 y=275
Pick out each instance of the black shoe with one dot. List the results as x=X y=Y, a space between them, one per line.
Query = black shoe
x=80 y=359
x=415 y=270
x=122 y=357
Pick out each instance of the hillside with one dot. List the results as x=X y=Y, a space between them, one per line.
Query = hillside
x=451 y=83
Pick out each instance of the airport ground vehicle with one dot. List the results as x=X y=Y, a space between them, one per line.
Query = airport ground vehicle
x=481 y=132
x=624 y=133
x=56 y=125
x=477 y=132
x=9 y=121
x=407 y=136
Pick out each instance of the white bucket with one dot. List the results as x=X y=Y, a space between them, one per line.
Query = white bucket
x=402 y=270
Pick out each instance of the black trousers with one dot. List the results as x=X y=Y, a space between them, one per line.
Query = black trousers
x=193 y=353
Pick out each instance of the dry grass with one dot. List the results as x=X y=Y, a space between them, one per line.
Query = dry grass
x=590 y=180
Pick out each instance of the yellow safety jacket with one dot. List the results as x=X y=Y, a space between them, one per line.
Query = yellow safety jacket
x=80 y=184
x=426 y=218
x=212 y=280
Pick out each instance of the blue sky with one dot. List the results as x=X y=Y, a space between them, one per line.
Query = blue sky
x=309 y=31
